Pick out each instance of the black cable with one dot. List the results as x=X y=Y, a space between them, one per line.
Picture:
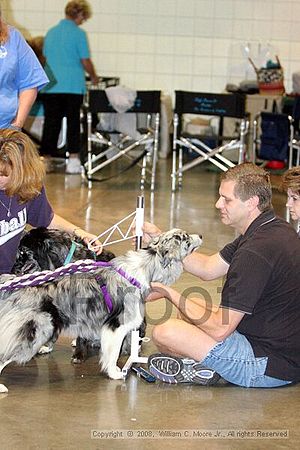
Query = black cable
x=134 y=162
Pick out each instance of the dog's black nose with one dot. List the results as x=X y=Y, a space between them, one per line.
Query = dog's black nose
x=200 y=236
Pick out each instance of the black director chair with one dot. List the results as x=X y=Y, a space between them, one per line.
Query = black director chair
x=273 y=138
x=220 y=105
x=296 y=141
x=147 y=110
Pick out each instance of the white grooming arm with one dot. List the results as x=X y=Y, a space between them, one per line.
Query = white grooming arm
x=135 y=336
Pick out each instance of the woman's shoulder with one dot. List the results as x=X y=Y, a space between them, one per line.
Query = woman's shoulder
x=15 y=36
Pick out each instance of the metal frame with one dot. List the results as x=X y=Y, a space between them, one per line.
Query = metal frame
x=222 y=105
x=147 y=102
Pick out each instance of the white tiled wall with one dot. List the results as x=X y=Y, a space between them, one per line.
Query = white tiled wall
x=175 y=44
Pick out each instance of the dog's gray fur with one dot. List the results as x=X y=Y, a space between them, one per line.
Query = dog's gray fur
x=33 y=316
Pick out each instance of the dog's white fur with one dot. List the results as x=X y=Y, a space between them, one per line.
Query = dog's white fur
x=33 y=316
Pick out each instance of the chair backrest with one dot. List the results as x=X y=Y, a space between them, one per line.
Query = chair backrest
x=274 y=138
x=296 y=109
x=145 y=102
x=223 y=105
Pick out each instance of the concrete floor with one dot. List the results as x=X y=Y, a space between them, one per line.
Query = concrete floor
x=52 y=404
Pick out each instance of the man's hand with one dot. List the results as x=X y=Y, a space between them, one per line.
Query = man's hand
x=158 y=291
x=150 y=230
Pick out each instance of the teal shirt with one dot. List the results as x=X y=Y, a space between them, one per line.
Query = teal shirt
x=64 y=47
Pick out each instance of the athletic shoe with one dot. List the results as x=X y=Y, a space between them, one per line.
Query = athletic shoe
x=171 y=369
x=48 y=164
x=74 y=166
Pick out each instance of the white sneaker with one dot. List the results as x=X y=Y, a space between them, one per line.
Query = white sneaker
x=74 y=166
x=48 y=164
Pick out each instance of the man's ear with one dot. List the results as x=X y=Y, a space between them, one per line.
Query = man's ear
x=253 y=202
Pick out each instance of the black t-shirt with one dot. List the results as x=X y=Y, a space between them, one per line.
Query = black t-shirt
x=263 y=282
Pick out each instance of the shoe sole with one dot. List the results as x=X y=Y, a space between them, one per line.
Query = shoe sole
x=173 y=370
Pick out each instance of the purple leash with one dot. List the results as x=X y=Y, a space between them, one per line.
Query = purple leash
x=82 y=266
x=38 y=278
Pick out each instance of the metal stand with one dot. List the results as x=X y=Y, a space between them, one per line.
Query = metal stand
x=135 y=337
x=134 y=353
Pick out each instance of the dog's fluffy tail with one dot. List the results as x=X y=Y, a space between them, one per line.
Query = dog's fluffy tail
x=23 y=334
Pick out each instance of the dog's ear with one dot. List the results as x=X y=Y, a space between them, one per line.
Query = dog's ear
x=169 y=255
x=166 y=249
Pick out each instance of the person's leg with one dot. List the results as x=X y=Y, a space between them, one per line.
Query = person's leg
x=236 y=362
x=180 y=338
x=177 y=338
x=73 y=105
x=53 y=113
x=233 y=359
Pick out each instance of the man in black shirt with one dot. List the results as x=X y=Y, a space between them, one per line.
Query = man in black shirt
x=253 y=338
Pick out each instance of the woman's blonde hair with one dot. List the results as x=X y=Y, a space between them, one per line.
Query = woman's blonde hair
x=20 y=160
x=3 y=30
x=76 y=7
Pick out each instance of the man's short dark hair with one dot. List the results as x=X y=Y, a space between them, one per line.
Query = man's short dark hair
x=251 y=181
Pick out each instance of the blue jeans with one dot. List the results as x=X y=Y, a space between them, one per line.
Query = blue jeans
x=235 y=361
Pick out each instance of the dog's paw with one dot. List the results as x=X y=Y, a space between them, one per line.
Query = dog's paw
x=45 y=349
x=115 y=373
x=3 y=389
x=77 y=360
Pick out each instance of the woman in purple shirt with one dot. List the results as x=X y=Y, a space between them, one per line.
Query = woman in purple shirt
x=22 y=196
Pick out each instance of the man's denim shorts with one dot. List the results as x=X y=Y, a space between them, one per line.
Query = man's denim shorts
x=235 y=361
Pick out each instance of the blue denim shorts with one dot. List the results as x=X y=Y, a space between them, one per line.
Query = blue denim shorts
x=235 y=361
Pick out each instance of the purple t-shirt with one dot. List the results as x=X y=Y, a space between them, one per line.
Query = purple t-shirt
x=13 y=218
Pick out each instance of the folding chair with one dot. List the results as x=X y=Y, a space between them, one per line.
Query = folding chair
x=295 y=160
x=219 y=105
x=273 y=136
x=147 y=109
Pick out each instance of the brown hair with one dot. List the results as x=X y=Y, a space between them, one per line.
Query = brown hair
x=3 y=30
x=20 y=159
x=291 y=180
x=76 y=7
x=36 y=43
x=251 y=180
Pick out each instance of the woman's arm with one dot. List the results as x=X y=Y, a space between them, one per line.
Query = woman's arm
x=90 y=69
x=26 y=100
x=62 y=224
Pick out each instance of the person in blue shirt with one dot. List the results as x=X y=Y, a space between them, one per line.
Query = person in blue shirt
x=21 y=77
x=67 y=59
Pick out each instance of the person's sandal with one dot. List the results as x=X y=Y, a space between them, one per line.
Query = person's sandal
x=171 y=369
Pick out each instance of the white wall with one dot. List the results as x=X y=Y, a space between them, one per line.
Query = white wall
x=175 y=44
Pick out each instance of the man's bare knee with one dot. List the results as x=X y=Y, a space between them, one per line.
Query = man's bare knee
x=163 y=334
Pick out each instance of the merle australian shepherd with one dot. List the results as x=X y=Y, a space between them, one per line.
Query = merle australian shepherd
x=34 y=315
x=47 y=249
